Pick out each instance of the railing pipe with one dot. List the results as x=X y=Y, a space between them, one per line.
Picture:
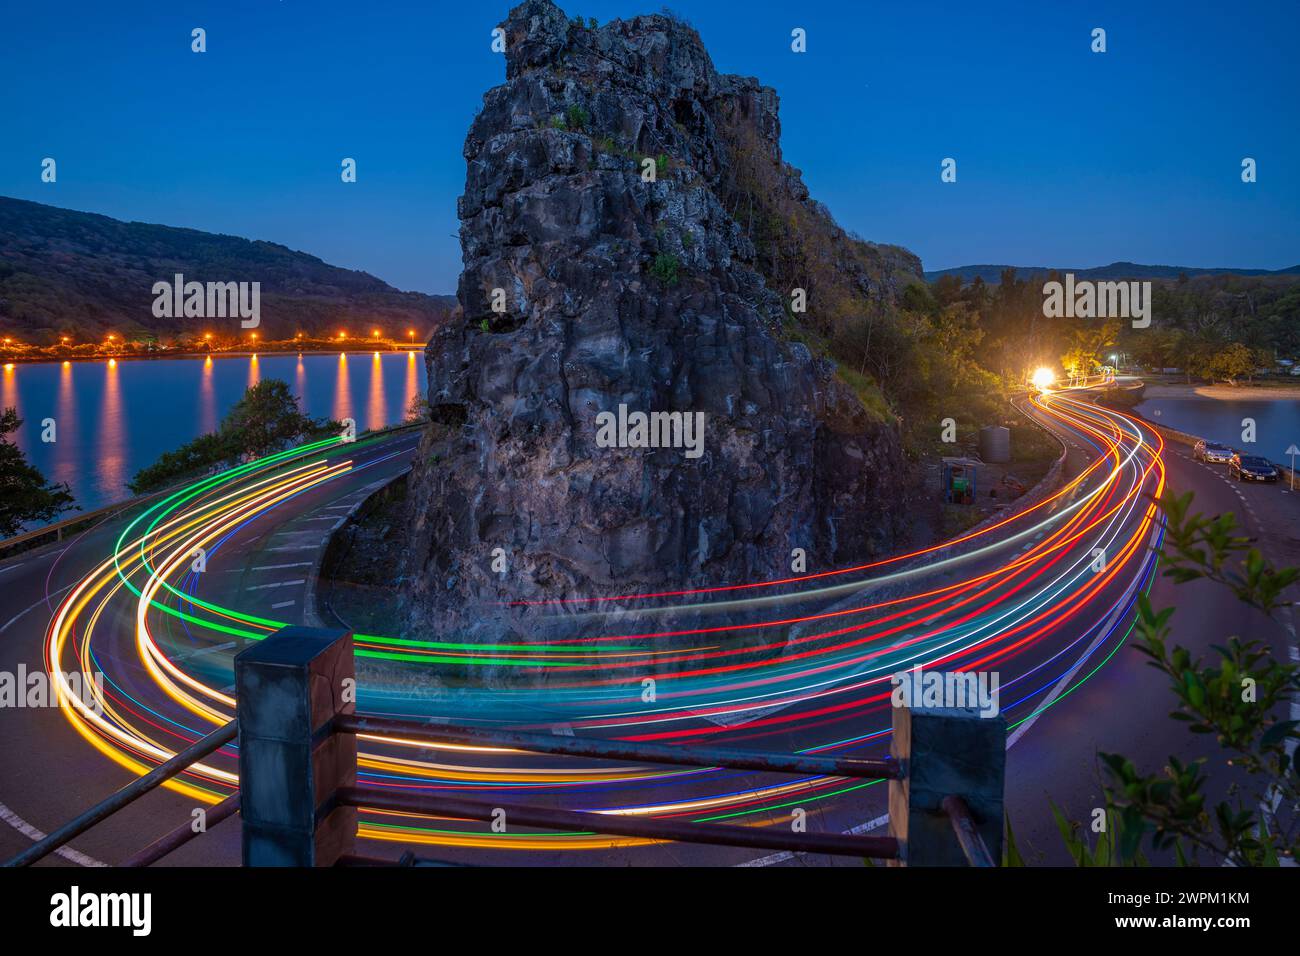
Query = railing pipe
x=582 y=821
x=132 y=791
x=619 y=750
x=182 y=834
x=968 y=836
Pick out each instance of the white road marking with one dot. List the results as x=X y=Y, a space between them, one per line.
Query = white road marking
x=10 y=622
x=276 y=607
x=277 y=584
x=27 y=830
x=784 y=855
x=738 y=718
x=206 y=650
x=277 y=567
x=13 y=819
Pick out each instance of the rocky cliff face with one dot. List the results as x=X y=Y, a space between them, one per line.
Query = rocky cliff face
x=587 y=287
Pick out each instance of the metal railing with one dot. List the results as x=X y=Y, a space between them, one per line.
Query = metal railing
x=128 y=794
x=299 y=797
x=945 y=773
x=585 y=822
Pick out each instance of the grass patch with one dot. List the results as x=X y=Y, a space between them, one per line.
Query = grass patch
x=577 y=117
x=868 y=392
x=666 y=268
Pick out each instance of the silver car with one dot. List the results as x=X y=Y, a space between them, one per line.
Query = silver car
x=1212 y=452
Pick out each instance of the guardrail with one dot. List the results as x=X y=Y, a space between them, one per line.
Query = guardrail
x=128 y=794
x=297 y=731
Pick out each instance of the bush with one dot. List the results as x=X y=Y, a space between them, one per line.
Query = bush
x=1242 y=697
x=577 y=117
x=665 y=268
x=27 y=495
x=265 y=420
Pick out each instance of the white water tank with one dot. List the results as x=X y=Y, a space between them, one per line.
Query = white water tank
x=995 y=443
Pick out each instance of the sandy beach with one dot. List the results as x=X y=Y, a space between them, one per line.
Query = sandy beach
x=1273 y=391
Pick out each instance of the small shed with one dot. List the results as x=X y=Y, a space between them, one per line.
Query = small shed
x=959 y=478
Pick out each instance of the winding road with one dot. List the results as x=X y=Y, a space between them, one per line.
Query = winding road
x=1043 y=597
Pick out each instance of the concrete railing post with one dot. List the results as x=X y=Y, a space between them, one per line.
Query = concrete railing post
x=943 y=752
x=289 y=688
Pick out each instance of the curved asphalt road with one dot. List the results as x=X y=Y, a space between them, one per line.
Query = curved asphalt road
x=49 y=773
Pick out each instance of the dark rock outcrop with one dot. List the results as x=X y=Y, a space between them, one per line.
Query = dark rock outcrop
x=612 y=290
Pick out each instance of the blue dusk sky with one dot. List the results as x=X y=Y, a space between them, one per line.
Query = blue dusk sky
x=1064 y=157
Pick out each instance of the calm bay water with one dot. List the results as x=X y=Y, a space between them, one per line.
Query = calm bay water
x=1277 y=421
x=115 y=417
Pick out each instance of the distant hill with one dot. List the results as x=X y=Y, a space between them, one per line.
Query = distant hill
x=79 y=273
x=1116 y=270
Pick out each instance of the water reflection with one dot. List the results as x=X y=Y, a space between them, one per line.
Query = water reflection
x=342 y=396
x=207 y=398
x=375 y=408
x=65 y=416
x=116 y=417
x=412 y=382
x=8 y=387
x=112 y=431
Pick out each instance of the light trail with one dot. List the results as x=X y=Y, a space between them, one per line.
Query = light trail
x=817 y=681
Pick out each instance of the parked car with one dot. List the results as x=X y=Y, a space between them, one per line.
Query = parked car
x=1252 y=468
x=1212 y=452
